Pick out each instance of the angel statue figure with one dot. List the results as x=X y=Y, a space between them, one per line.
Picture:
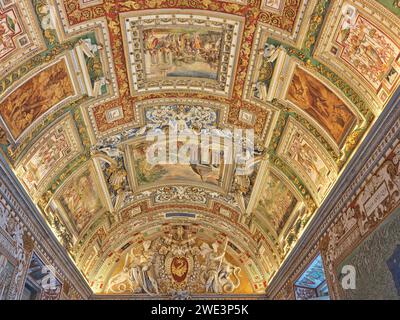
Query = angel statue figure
x=143 y=272
x=218 y=271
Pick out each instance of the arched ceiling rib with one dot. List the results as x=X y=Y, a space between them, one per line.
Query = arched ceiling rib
x=83 y=81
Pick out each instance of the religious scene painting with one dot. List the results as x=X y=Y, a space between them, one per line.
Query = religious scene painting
x=319 y=102
x=277 y=202
x=55 y=147
x=46 y=156
x=368 y=50
x=182 y=52
x=303 y=154
x=179 y=50
x=146 y=173
x=80 y=199
x=35 y=97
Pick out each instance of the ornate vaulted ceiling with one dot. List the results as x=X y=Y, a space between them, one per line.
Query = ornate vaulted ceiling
x=82 y=81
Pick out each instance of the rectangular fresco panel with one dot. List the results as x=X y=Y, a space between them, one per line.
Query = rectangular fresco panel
x=305 y=157
x=182 y=52
x=318 y=101
x=182 y=49
x=35 y=97
x=147 y=173
x=368 y=50
x=56 y=147
x=276 y=202
x=80 y=199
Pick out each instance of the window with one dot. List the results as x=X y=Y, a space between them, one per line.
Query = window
x=312 y=283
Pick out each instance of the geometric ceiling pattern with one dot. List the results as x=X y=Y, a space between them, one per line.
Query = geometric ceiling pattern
x=83 y=81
